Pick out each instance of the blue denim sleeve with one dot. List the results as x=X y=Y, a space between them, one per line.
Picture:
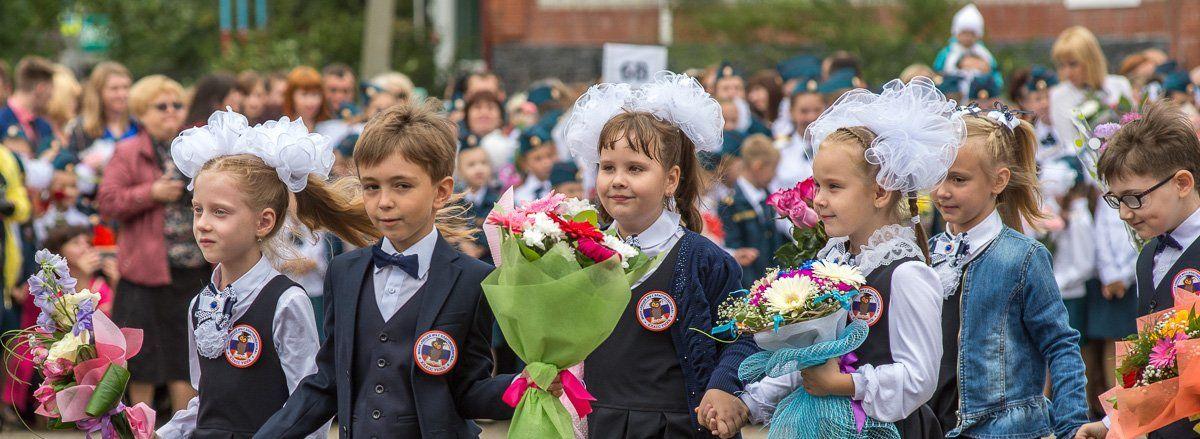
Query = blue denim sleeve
x=725 y=276
x=1045 y=317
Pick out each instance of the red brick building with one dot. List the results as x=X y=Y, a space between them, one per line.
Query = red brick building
x=577 y=28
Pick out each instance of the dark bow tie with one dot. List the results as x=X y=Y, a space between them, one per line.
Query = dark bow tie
x=383 y=259
x=1165 y=240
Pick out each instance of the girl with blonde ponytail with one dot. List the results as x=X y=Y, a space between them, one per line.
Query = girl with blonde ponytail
x=1000 y=294
x=243 y=181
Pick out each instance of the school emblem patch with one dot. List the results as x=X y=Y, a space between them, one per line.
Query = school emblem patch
x=244 y=348
x=868 y=306
x=1187 y=280
x=435 y=352
x=656 y=311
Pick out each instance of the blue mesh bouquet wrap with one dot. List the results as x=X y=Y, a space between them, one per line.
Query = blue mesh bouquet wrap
x=803 y=416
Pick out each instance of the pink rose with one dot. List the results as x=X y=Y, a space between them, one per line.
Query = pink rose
x=808 y=190
x=804 y=217
x=141 y=421
x=53 y=370
x=594 y=250
x=785 y=201
x=47 y=406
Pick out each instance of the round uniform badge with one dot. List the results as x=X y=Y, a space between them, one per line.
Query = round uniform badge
x=245 y=346
x=435 y=352
x=1187 y=280
x=656 y=311
x=868 y=306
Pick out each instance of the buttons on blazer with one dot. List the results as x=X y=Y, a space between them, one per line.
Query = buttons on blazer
x=379 y=388
x=383 y=337
x=382 y=363
x=375 y=414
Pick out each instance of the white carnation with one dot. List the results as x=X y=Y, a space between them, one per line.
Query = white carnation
x=542 y=223
x=616 y=244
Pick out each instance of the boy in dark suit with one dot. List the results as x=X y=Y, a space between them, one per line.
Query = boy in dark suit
x=393 y=304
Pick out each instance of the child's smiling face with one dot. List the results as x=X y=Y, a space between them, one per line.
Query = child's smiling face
x=1163 y=209
x=849 y=201
x=632 y=186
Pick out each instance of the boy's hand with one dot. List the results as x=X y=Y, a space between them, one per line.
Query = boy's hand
x=1093 y=430
x=718 y=406
x=827 y=379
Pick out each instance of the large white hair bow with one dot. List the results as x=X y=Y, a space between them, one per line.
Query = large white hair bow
x=283 y=144
x=675 y=98
x=918 y=132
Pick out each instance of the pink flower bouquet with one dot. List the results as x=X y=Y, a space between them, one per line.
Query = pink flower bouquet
x=83 y=356
x=808 y=233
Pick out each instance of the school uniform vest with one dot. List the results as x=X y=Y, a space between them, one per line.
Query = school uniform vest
x=876 y=350
x=635 y=374
x=236 y=401
x=383 y=404
x=1154 y=298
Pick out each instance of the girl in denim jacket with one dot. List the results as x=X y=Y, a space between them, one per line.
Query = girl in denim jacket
x=1003 y=320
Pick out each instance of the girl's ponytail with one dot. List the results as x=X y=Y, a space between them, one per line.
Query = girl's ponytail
x=336 y=206
x=1020 y=202
x=922 y=237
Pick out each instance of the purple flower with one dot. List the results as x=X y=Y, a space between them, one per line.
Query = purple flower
x=83 y=317
x=43 y=257
x=1164 y=352
x=68 y=284
x=1107 y=130
x=46 y=322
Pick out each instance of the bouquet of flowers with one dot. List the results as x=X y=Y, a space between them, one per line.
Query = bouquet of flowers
x=1158 y=371
x=808 y=233
x=799 y=316
x=792 y=308
x=1094 y=138
x=82 y=355
x=559 y=289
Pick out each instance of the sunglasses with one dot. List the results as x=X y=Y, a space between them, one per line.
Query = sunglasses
x=1132 y=201
x=165 y=105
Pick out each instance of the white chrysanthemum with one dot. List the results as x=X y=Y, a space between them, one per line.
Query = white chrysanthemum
x=789 y=295
x=534 y=238
x=542 y=223
x=574 y=206
x=839 y=273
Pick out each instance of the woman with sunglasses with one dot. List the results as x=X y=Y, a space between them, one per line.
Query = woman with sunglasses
x=160 y=264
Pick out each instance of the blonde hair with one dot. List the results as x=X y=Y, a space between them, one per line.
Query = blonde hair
x=1016 y=150
x=423 y=136
x=861 y=138
x=1078 y=44
x=64 y=102
x=394 y=82
x=666 y=144
x=334 y=206
x=759 y=148
x=145 y=90
x=92 y=108
x=915 y=70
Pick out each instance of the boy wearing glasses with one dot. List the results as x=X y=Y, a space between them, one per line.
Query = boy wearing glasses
x=1151 y=166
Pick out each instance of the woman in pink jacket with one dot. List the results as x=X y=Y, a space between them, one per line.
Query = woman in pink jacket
x=161 y=267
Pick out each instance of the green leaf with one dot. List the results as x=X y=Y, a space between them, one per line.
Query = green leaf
x=589 y=216
x=108 y=391
x=529 y=253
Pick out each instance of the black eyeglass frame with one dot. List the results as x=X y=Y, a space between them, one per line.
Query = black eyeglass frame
x=1133 y=201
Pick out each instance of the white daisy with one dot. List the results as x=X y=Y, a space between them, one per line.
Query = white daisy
x=789 y=295
x=839 y=273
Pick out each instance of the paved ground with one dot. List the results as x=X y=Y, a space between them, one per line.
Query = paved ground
x=490 y=431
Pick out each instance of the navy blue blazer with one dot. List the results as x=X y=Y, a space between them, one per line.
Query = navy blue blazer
x=453 y=303
x=43 y=131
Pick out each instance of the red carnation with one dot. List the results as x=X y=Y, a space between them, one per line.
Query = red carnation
x=1130 y=378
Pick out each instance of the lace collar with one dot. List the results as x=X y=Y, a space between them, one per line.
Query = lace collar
x=889 y=244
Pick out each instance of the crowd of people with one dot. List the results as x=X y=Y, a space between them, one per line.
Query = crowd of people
x=87 y=172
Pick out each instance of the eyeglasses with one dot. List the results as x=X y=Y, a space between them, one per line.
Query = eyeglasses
x=165 y=105
x=1133 y=201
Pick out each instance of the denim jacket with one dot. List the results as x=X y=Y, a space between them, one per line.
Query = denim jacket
x=1014 y=327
